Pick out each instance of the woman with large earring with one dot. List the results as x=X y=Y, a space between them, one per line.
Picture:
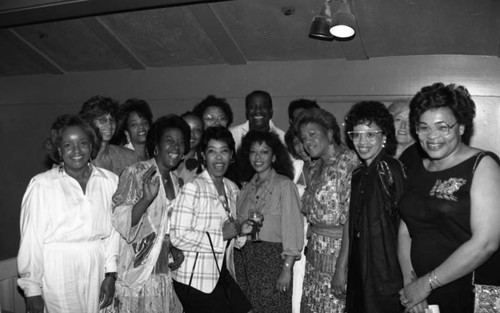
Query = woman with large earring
x=142 y=207
x=67 y=259
x=377 y=186
x=325 y=203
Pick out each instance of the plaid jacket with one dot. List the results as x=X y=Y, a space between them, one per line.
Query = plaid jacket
x=197 y=210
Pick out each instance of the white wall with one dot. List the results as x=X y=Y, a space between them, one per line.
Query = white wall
x=28 y=105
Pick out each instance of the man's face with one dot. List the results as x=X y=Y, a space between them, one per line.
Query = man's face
x=258 y=113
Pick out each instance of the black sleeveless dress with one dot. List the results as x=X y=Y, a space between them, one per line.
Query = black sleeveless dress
x=436 y=210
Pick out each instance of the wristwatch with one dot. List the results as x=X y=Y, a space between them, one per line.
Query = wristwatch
x=112 y=274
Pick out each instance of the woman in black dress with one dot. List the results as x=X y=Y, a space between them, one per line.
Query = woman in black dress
x=450 y=214
x=374 y=276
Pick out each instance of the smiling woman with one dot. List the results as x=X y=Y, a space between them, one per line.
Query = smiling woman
x=377 y=186
x=449 y=235
x=325 y=203
x=101 y=113
x=66 y=231
x=142 y=206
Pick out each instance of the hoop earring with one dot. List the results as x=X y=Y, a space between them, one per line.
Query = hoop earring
x=155 y=152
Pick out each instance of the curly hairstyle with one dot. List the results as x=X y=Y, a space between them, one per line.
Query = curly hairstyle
x=130 y=106
x=98 y=106
x=213 y=101
x=282 y=165
x=170 y=121
x=60 y=124
x=321 y=117
x=305 y=104
x=368 y=112
x=218 y=133
x=437 y=95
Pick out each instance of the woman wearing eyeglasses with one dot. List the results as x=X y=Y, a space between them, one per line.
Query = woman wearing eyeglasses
x=449 y=234
x=214 y=112
x=374 y=278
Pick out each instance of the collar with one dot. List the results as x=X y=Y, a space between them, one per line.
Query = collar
x=96 y=172
x=268 y=180
x=246 y=127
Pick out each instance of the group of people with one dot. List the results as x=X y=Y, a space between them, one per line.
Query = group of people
x=189 y=214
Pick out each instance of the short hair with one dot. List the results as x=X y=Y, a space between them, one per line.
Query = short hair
x=258 y=93
x=368 y=112
x=282 y=165
x=437 y=95
x=170 y=121
x=218 y=133
x=60 y=124
x=191 y=113
x=398 y=106
x=321 y=117
x=130 y=106
x=98 y=106
x=305 y=104
x=213 y=101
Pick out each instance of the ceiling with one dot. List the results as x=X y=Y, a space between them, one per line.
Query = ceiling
x=67 y=36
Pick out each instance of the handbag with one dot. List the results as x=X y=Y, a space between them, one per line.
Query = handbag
x=486 y=297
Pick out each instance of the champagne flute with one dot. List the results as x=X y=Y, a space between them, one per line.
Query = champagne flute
x=258 y=218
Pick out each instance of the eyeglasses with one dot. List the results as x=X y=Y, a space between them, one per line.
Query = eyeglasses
x=370 y=135
x=211 y=118
x=443 y=129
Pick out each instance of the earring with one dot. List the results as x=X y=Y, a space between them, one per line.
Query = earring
x=61 y=166
x=383 y=144
x=155 y=152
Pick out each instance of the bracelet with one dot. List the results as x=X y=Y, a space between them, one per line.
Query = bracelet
x=433 y=280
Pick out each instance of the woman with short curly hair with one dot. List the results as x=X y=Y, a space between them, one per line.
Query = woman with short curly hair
x=377 y=185
x=449 y=235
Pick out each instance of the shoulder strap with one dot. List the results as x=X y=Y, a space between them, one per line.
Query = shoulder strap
x=213 y=251
x=481 y=155
x=192 y=272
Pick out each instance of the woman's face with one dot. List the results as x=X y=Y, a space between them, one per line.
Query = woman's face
x=214 y=116
x=402 y=126
x=137 y=128
x=299 y=150
x=437 y=144
x=170 y=149
x=106 y=125
x=196 y=126
x=75 y=148
x=368 y=142
x=316 y=139
x=261 y=157
x=217 y=156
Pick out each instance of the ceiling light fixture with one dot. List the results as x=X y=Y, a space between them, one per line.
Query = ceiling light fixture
x=340 y=26
x=321 y=23
x=343 y=22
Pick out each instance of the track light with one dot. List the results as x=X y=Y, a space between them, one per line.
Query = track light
x=341 y=25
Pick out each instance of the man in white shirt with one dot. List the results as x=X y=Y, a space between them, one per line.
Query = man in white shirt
x=258 y=111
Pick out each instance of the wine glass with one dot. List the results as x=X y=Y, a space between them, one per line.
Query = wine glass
x=258 y=218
